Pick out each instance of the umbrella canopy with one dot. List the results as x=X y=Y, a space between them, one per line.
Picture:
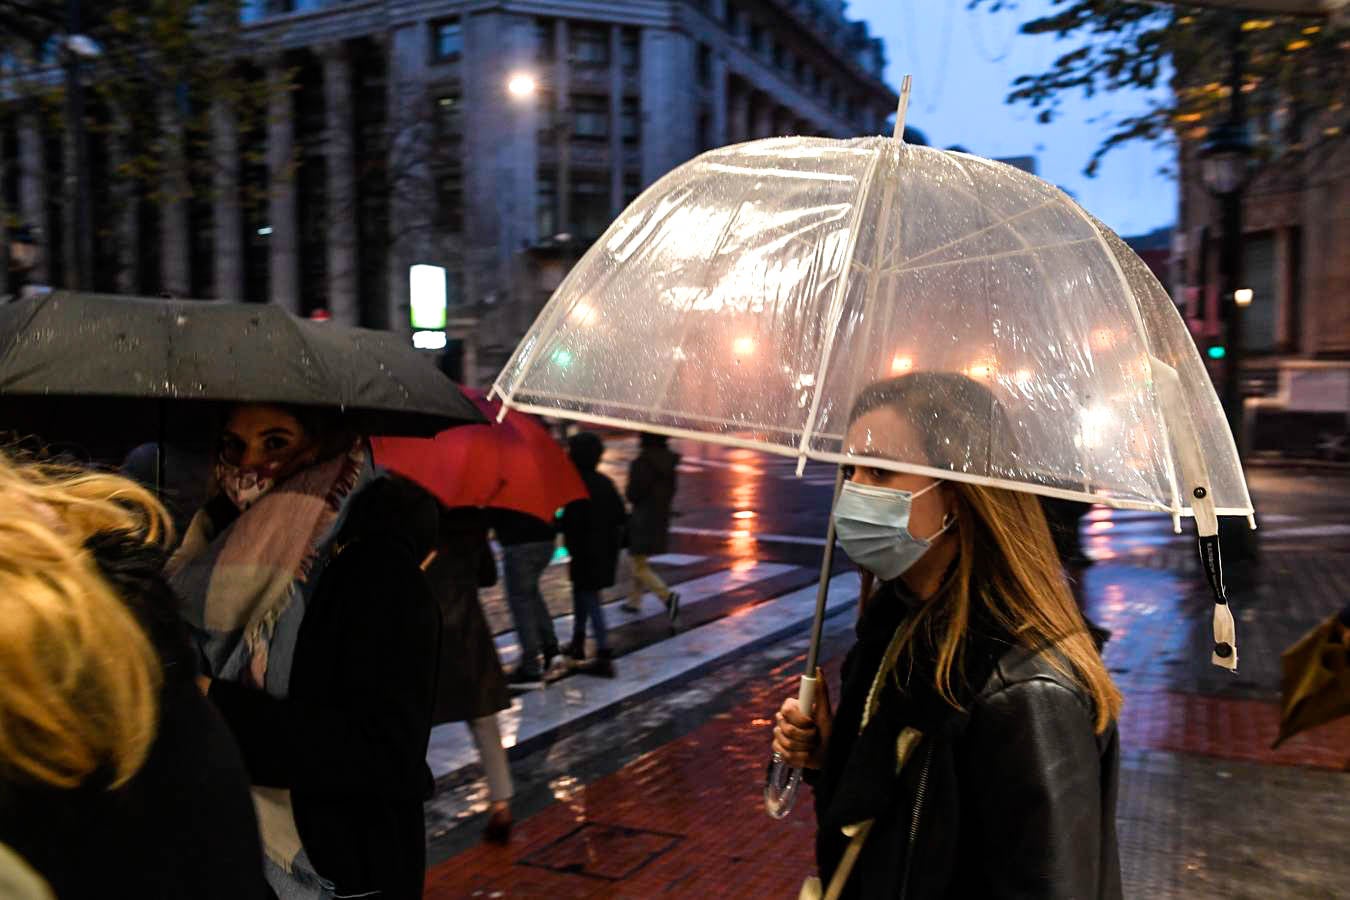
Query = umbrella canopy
x=513 y=464
x=1316 y=677
x=750 y=295
x=91 y=362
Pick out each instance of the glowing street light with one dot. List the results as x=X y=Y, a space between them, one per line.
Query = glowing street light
x=902 y=364
x=743 y=346
x=1243 y=296
x=522 y=85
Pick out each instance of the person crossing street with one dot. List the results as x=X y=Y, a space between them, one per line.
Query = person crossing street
x=652 y=481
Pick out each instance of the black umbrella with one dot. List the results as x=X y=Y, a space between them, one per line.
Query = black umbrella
x=110 y=371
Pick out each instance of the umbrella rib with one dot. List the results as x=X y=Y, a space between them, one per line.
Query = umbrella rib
x=658 y=410
x=836 y=309
x=965 y=237
x=975 y=259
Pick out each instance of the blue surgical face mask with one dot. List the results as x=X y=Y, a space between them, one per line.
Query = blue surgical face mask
x=872 y=524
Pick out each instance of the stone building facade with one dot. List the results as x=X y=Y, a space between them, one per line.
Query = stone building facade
x=1296 y=252
x=403 y=139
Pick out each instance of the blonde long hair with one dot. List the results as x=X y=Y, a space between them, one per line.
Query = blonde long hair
x=1006 y=560
x=79 y=679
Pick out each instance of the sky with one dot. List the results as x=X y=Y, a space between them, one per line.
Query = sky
x=964 y=63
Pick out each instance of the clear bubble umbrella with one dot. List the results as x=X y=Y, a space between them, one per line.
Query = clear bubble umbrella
x=751 y=294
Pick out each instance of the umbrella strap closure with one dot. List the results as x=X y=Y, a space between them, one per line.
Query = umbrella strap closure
x=1194 y=478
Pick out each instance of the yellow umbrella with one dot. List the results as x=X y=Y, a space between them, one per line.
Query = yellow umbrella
x=1316 y=683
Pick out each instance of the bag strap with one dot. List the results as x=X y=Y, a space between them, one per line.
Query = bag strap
x=904 y=748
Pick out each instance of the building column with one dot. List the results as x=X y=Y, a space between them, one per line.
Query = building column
x=720 y=110
x=175 y=238
x=562 y=115
x=763 y=113
x=616 y=145
x=340 y=146
x=283 y=242
x=127 y=211
x=1286 y=291
x=226 y=216
x=33 y=191
x=739 y=127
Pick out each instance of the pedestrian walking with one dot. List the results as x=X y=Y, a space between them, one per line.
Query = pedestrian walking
x=974 y=751
x=651 y=488
x=470 y=684
x=528 y=544
x=117 y=778
x=593 y=530
x=303 y=586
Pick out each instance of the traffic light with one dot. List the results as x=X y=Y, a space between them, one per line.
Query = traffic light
x=1216 y=351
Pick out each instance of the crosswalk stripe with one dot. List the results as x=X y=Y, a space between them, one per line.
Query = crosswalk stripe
x=691 y=594
x=753 y=535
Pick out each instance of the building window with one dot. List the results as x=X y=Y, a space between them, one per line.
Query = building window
x=590 y=45
x=544 y=31
x=590 y=205
x=632 y=186
x=546 y=204
x=590 y=116
x=704 y=132
x=450 y=202
x=447 y=40
x=546 y=103
x=758 y=37
x=630 y=49
x=704 y=65
x=630 y=120
x=449 y=117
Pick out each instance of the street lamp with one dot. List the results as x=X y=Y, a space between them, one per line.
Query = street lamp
x=1225 y=167
x=521 y=85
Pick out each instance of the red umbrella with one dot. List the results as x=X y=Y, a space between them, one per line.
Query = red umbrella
x=513 y=464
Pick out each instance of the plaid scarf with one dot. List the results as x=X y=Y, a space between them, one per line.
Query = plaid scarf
x=246 y=588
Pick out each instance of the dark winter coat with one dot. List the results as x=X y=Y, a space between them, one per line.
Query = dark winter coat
x=651 y=490
x=515 y=528
x=1014 y=797
x=350 y=739
x=470 y=683
x=184 y=825
x=593 y=528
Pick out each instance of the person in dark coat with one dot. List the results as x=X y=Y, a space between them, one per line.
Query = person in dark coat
x=652 y=481
x=470 y=684
x=528 y=544
x=304 y=589
x=181 y=825
x=974 y=752
x=593 y=530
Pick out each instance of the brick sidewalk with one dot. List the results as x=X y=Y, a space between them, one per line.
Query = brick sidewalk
x=688 y=820
x=1207 y=808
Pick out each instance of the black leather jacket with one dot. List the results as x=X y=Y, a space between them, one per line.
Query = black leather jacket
x=1013 y=797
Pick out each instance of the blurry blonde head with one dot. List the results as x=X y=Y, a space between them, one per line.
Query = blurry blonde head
x=79 y=679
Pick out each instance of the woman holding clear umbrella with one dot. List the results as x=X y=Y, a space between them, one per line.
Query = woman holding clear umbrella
x=974 y=751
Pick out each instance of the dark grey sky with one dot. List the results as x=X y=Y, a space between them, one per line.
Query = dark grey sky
x=963 y=63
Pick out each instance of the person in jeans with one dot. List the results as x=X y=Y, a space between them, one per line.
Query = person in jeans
x=651 y=489
x=593 y=530
x=527 y=549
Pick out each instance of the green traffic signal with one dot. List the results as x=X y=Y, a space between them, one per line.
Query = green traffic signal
x=1217 y=352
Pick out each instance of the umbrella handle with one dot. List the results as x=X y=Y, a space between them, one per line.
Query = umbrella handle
x=782 y=782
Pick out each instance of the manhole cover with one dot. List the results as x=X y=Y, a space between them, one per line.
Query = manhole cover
x=606 y=852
